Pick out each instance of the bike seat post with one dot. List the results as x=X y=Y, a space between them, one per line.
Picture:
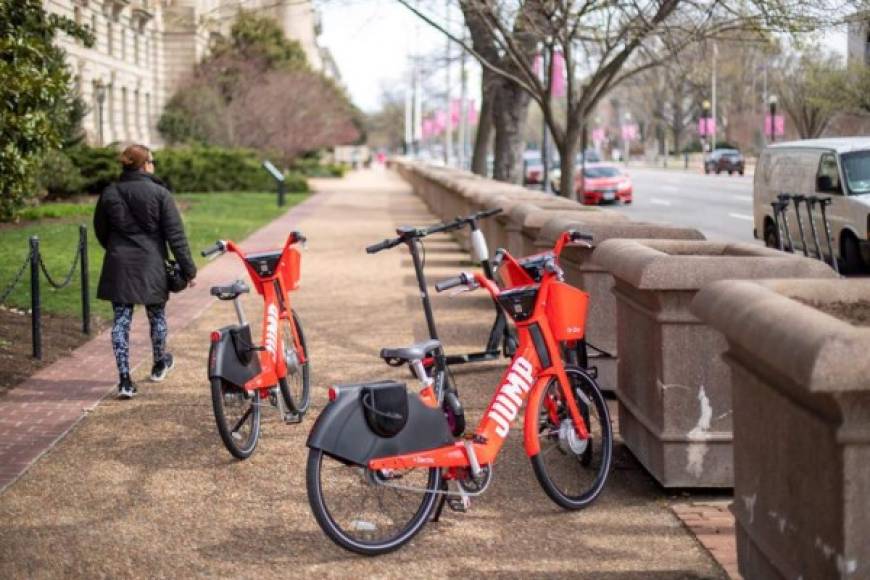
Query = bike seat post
x=240 y=311
x=420 y=372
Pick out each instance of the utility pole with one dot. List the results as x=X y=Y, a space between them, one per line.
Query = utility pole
x=409 y=115
x=546 y=74
x=448 y=133
x=463 y=107
x=715 y=124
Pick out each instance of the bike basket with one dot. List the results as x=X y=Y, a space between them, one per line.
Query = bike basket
x=385 y=406
x=566 y=310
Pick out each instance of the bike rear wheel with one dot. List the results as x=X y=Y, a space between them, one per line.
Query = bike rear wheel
x=237 y=414
x=361 y=514
x=570 y=470
x=296 y=386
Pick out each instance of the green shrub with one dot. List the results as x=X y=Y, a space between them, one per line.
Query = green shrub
x=295 y=181
x=205 y=169
x=58 y=176
x=98 y=166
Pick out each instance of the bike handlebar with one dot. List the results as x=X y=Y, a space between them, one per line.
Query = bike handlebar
x=576 y=236
x=383 y=245
x=218 y=246
x=487 y=213
x=451 y=283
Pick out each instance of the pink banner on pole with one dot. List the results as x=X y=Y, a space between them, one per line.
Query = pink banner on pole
x=598 y=135
x=778 y=125
x=629 y=132
x=538 y=65
x=472 y=112
x=558 y=75
x=706 y=126
x=428 y=128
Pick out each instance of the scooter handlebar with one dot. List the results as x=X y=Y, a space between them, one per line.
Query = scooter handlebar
x=487 y=213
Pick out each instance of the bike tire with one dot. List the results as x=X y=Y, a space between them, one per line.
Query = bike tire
x=342 y=537
x=299 y=402
x=577 y=463
x=241 y=447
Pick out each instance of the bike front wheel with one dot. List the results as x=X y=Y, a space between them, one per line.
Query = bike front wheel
x=237 y=414
x=296 y=386
x=369 y=512
x=573 y=471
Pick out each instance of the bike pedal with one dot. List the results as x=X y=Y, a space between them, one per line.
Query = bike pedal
x=292 y=418
x=458 y=504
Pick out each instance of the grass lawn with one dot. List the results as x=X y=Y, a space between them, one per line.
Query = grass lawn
x=207 y=217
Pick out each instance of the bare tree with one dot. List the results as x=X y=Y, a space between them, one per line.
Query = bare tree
x=606 y=42
x=810 y=89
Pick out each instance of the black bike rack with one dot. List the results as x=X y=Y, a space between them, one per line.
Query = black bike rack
x=781 y=223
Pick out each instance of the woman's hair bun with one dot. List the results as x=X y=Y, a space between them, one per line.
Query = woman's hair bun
x=134 y=157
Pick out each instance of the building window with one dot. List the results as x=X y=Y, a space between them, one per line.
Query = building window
x=110 y=37
x=148 y=110
x=110 y=98
x=123 y=43
x=136 y=48
x=94 y=25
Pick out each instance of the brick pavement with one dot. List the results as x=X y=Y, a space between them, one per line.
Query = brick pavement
x=712 y=523
x=37 y=413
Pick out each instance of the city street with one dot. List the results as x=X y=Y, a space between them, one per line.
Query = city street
x=718 y=205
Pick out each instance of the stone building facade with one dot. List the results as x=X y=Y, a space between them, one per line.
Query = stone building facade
x=145 y=49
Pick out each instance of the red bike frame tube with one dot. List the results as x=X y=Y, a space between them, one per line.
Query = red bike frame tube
x=523 y=381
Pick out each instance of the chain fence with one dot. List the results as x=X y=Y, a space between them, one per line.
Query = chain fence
x=38 y=269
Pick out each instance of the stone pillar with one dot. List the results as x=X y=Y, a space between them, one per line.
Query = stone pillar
x=801 y=380
x=674 y=390
x=583 y=272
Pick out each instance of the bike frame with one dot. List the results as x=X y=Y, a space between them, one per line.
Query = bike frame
x=275 y=289
x=534 y=365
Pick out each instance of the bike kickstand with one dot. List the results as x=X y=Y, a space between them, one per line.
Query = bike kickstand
x=441 y=501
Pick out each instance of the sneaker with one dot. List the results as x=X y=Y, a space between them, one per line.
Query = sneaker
x=162 y=368
x=126 y=389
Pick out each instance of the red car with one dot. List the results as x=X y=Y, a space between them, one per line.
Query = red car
x=604 y=184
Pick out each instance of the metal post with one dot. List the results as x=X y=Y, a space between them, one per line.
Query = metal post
x=811 y=201
x=282 y=191
x=783 y=198
x=797 y=199
x=777 y=208
x=35 y=299
x=546 y=73
x=824 y=202
x=85 y=280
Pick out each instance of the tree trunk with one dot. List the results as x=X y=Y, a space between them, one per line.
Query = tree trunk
x=567 y=152
x=483 y=137
x=510 y=107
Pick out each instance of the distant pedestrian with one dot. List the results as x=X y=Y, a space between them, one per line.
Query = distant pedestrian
x=135 y=219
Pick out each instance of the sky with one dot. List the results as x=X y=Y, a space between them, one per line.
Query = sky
x=372 y=39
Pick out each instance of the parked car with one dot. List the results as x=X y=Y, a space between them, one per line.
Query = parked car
x=603 y=183
x=720 y=160
x=834 y=168
x=533 y=168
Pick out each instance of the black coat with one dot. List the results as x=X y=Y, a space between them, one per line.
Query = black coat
x=134 y=220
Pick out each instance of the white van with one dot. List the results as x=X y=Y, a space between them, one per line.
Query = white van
x=835 y=168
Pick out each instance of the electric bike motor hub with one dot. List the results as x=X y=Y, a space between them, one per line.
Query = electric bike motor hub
x=569 y=441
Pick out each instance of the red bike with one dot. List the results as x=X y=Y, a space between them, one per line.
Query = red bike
x=380 y=459
x=243 y=374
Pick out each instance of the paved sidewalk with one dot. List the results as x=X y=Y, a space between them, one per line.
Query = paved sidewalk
x=144 y=488
x=37 y=413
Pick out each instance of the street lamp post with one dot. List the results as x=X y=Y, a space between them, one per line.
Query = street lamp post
x=772 y=102
x=705 y=115
x=100 y=94
x=627 y=136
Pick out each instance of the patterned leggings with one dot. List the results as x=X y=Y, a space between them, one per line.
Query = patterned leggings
x=121 y=333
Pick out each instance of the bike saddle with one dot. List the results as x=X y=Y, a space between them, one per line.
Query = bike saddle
x=410 y=353
x=230 y=291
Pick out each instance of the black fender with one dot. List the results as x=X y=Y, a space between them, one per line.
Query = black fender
x=231 y=358
x=341 y=430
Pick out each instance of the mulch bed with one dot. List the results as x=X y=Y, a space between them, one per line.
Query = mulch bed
x=857 y=313
x=60 y=335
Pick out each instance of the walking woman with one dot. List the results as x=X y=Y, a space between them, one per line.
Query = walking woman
x=135 y=219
